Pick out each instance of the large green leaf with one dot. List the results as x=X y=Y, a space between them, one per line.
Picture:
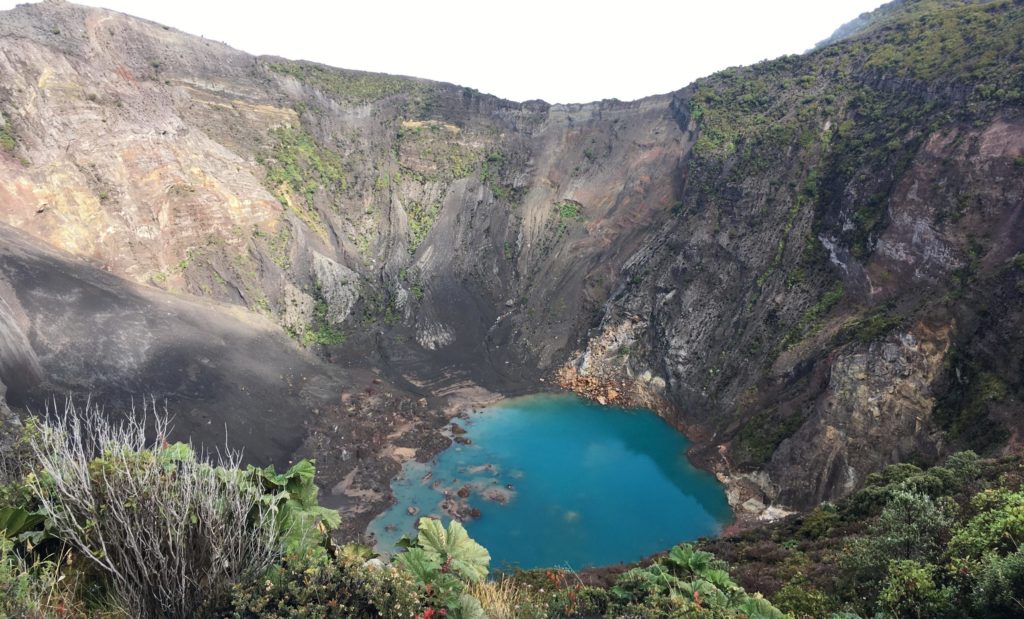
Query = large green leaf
x=455 y=548
x=720 y=579
x=178 y=452
x=330 y=517
x=268 y=477
x=709 y=595
x=760 y=608
x=300 y=478
x=433 y=539
x=683 y=558
x=292 y=496
x=298 y=524
x=357 y=552
x=469 y=608
x=420 y=564
x=15 y=521
x=405 y=542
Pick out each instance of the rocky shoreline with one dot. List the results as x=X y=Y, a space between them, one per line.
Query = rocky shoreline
x=358 y=479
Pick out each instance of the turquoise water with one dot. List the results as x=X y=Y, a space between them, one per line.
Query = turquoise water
x=563 y=482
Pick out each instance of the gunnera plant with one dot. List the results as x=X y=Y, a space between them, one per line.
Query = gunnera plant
x=171 y=529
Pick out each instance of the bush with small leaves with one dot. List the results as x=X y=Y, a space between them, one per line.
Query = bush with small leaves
x=802 y=599
x=910 y=527
x=910 y=591
x=590 y=602
x=820 y=521
x=319 y=584
x=686 y=583
x=999 y=588
x=998 y=525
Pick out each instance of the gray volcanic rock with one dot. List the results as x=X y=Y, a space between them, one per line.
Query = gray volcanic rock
x=219 y=369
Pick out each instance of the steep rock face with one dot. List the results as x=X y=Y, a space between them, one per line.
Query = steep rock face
x=181 y=163
x=875 y=410
x=844 y=217
x=812 y=265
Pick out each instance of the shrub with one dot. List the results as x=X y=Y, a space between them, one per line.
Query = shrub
x=964 y=465
x=1000 y=586
x=591 y=601
x=171 y=530
x=685 y=583
x=820 y=522
x=910 y=591
x=317 y=585
x=802 y=599
x=999 y=525
x=569 y=210
x=911 y=527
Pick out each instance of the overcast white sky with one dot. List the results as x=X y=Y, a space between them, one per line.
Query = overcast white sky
x=559 y=51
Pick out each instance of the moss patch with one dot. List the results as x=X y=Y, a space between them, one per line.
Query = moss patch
x=7 y=141
x=298 y=168
x=421 y=221
x=763 y=434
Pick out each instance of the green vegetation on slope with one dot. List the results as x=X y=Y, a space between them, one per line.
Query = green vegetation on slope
x=421 y=220
x=839 y=126
x=321 y=330
x=7 y=141
x=763 y=433
x=941 y=542
x=797 y=162
x=493 y=170
x=348 y=86
x=936 y=39
x=440 y=145
x=569 y=210
x=809 y=321
x=298 y=168
x=962 y=411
